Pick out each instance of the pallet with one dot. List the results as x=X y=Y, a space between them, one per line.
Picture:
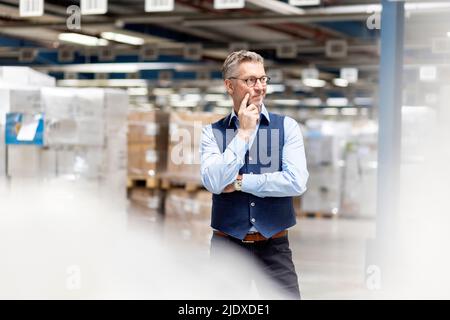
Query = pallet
x=167 y=184
x=189 y=183
x=317 y=215
x=149 y=182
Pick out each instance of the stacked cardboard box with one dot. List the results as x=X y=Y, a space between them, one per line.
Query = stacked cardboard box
x=184 y=144
x=79 y=162
x=341 y=158
x=20 y=92
x=74 y=116
x=85 y=133
x=360 y=176
x=25 y=76
x=187 y=205
x=323 y=193
x=19 y=99
x=142 y=214
x=114 y=167
x=23 y=161
x=188 y=215
x=149 y=198
x=2 y=152
x=297 y=203
x=360 y=171
x=87 y=128
x=324 y=145
x=147 y=143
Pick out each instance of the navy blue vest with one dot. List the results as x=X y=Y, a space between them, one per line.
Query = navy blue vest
x=236 y=212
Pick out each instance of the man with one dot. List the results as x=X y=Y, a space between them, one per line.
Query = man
x=254 y=162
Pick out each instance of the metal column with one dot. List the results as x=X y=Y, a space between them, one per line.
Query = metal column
x=382 y=251
x=389 y=112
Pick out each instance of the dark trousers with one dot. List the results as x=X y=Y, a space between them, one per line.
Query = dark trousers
x=273 y=257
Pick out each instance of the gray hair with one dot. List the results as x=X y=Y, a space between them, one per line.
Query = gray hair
x=234 y=59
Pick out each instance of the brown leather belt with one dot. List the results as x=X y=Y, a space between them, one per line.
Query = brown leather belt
x=254 y=237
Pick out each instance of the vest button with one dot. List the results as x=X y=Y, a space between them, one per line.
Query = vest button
x=252 y=204
x=253 y=220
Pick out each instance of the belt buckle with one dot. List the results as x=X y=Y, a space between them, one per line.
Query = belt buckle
x=249 y=241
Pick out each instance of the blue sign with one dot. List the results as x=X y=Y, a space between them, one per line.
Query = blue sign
x=25 y=129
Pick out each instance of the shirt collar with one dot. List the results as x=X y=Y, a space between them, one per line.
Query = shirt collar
x=264 y=113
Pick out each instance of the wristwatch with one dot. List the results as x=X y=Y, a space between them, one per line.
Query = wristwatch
x=238 y=184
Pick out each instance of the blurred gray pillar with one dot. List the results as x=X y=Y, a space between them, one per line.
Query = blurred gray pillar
x=390 y=117
x=382 y=252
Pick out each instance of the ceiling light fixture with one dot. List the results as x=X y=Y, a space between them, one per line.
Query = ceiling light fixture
x=82 y=39
x=314 y=83
x=123 y=38
x=339 y=82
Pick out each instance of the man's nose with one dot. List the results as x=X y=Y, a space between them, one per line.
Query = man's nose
x=258 y=85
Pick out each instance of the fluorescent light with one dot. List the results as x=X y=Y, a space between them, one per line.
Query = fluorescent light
x=304 y=2
x=82 y=39
x=123 y=38
x=428 y=73
x=337 y=102
x=183 y=104
x=103 y=83
x=217 y=89
x=314 y=83
x=312 y=102
x=163 y=91
x=220 y=110
x=189 y=90
x=277 y=6
x=214 y=97
x=426 y=6
x=338 y=82
x=329 y=112
x=226 y=103
x=349 y=111
x=448 y=34
x=271 y=88
x=409 y=109
x=375 y=8
x=286 y=102
x=363 y=101
x=137 y=91
x=192 y=97
x=359 y=8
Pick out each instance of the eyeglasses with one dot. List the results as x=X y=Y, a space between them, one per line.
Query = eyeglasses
x=251 y=82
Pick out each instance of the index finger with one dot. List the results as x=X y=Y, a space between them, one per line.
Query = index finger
x=244 y=101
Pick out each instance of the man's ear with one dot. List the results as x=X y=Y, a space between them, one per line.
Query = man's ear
x=229 y=86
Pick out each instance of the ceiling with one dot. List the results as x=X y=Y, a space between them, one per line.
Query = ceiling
x=198 y=22
x=263 y=25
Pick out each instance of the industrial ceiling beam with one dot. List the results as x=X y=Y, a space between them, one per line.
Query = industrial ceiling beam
x=277 y=6
x=272 y=19
x=127 y=67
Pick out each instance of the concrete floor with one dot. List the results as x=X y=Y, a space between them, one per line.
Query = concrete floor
x=329 y=254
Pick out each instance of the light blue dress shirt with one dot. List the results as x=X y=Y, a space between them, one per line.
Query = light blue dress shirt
x=221 y=169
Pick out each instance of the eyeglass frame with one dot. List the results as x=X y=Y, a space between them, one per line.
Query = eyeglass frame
x=256 y=80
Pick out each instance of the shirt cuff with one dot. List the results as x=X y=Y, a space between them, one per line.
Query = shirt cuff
x=239 y=147
x=250 y=182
